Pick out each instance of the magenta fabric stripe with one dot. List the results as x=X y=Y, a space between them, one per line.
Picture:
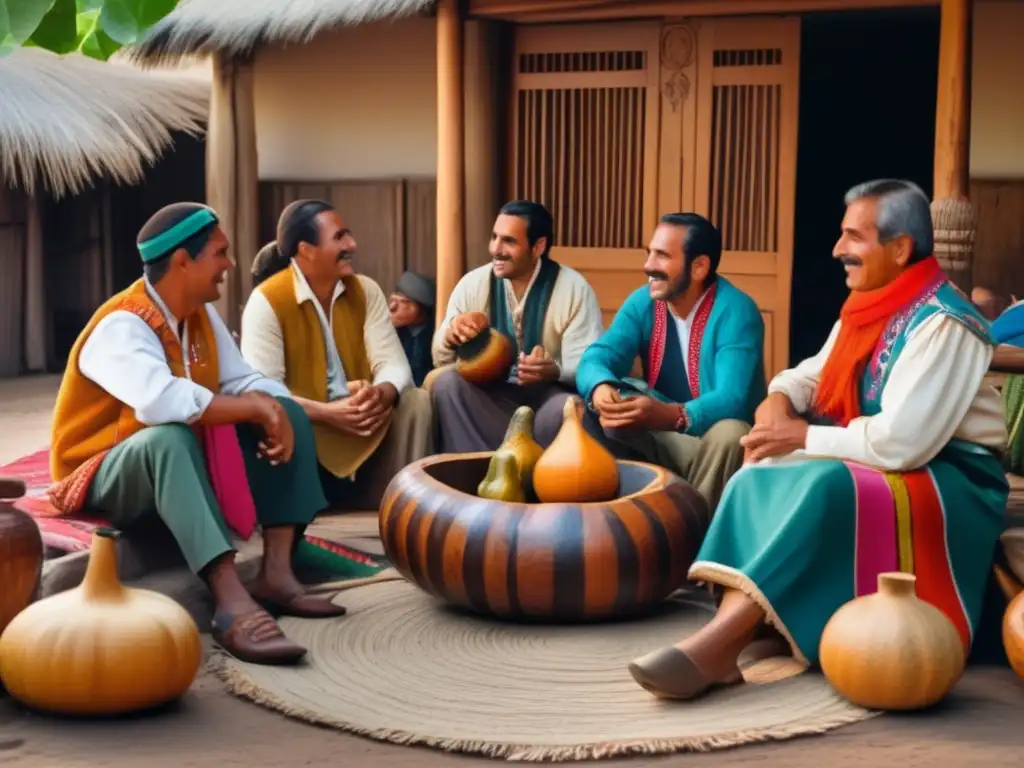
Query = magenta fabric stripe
x=876 y=548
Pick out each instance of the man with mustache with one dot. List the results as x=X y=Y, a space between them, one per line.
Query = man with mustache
x=880 y=453
x=326 y=333
x=156 y=400
x=700 y=340
x=548 y=310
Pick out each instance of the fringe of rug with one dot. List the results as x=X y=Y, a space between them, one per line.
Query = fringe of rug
x=241 y=685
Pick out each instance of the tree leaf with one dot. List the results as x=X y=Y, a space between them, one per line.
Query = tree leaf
x=58 y=31
x=126 y=21
x=92 y=40
x=18 y=20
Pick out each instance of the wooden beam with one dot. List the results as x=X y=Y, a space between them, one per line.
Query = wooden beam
x=451 y=234
x=953 y=105
x=534 y=12
x=1007 y=359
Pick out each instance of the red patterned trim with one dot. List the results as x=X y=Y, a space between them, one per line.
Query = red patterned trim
x=69 y=495
x=656 y=349
x=700 y=324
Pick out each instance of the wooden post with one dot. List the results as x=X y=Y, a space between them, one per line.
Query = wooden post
x=483 y=156
x=451 y=235
x=953 y=105
x=953 y=216
x=232 y=176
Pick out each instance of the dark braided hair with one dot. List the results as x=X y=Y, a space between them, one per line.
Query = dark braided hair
x=297 y=224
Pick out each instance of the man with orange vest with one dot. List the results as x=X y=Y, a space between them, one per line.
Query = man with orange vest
x=156 y=403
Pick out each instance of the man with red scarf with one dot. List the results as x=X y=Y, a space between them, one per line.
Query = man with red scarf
x=881 y=453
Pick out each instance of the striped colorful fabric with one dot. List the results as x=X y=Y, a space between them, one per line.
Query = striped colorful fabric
x=901 y=526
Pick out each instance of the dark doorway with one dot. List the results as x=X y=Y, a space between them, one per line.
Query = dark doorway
x=868 y=81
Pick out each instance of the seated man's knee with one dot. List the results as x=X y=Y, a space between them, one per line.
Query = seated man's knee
x=416 y=401
x=727 y=433
x=296 y=414
x=164 y=439
x=447 y=386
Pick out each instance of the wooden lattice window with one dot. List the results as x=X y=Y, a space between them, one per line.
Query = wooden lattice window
x=745 y=150
x=581 y=120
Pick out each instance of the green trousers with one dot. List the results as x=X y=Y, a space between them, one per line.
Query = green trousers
x=161 y=471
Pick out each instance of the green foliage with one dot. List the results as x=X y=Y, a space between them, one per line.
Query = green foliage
x=96 y=28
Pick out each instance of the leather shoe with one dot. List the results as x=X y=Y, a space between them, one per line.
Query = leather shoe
x=302 y=605
x=255 y=637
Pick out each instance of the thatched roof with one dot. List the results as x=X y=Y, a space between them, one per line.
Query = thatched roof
x=237 y=27
x=67 y=119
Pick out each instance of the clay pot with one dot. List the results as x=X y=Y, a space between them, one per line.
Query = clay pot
x=891 y=650
x=11 y=488
x=101 y=648
x=546 y=562
x=485 y=358
x=21 y=562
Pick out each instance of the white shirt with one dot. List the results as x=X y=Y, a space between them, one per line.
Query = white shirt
x=684 y=327
x=125 y=357
x=934 y=392
x=263 y=340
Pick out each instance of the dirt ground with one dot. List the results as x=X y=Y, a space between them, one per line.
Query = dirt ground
x=978 y=725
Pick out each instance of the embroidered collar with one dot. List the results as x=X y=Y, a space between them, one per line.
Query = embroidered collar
x=172 y=322
x=516 y=306
x=693 y=310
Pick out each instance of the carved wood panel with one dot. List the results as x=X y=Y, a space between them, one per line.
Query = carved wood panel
x=746 y=137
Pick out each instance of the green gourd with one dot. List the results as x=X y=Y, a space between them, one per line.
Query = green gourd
x=502 y=481
x=519 y=439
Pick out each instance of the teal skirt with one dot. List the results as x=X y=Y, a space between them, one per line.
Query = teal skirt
x=804 y=536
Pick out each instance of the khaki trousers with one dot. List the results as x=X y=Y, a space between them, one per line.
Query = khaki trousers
x=410 y=437
x=705 y=462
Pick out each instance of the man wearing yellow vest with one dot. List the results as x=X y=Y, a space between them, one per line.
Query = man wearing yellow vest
x=326 y=333
x=143 y=425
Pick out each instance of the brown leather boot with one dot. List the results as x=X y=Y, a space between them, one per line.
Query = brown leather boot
x=255 y=637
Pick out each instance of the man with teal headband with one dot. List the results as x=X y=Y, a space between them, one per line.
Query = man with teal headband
x=159 y=414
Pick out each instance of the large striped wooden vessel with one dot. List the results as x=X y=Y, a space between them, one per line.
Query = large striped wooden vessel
x=556 y=562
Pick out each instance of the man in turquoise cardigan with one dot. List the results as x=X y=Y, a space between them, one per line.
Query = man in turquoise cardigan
x=701 y=342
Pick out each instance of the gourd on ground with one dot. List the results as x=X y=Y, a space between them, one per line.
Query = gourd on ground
x=891 y=650
x=575 y=468
x=1013 y=634
x=101 y=648
x=520 y=441
x=502 y=482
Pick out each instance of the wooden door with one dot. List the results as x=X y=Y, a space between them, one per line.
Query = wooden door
x=585 y=128
x=746 y=112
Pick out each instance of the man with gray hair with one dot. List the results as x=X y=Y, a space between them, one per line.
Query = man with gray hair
x=879 y=454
